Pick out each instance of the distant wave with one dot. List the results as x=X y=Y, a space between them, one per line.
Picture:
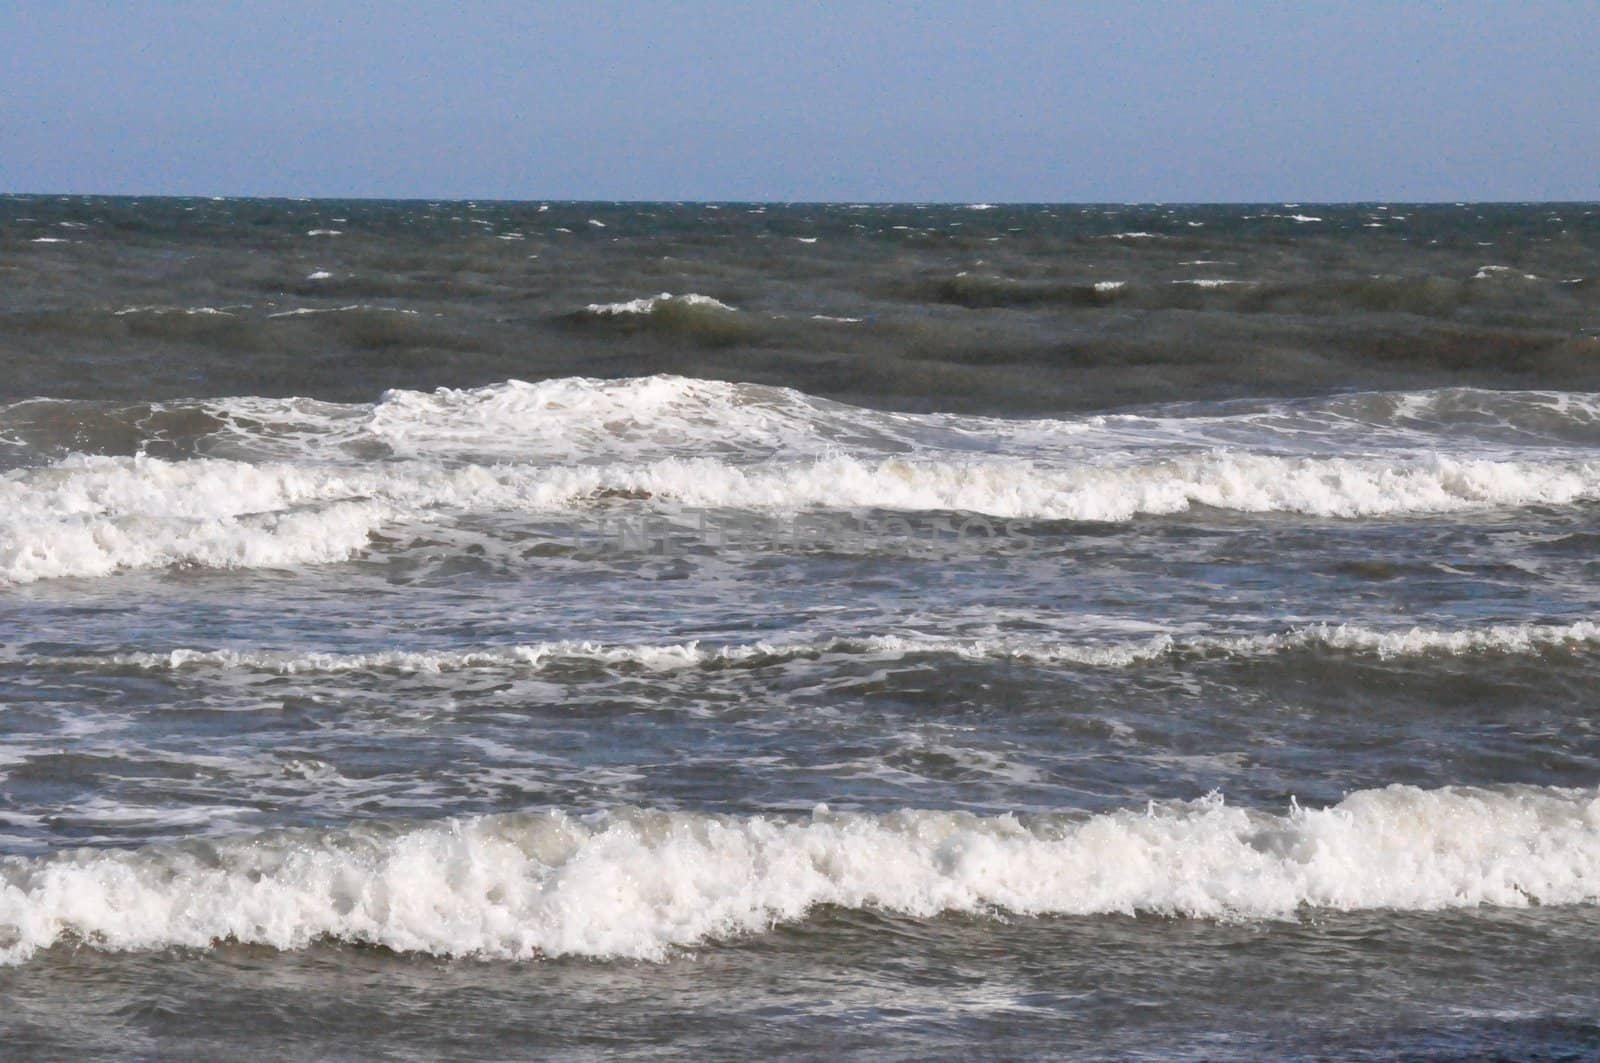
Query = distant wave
x=1351 y=639
x=1425 y=295
x=639 y=884
x=691 y=316
x=653 y=303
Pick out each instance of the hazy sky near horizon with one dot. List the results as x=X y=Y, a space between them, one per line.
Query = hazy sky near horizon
x=803 y=101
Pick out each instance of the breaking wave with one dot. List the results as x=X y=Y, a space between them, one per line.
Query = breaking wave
x=651 y=304
x=91 y=516
x=641 y=884
x=582 y=418
x=691 y=316
x=246 y=482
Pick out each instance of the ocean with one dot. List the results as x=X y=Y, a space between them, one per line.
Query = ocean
x=498 y=630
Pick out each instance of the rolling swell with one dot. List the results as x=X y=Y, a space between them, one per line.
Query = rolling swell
x=1016 y=310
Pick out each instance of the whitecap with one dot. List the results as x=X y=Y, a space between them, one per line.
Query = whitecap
x=638 y=885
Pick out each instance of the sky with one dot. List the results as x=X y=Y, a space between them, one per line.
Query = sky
x=818 y=101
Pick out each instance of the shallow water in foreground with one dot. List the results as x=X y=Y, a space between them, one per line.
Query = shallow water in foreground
x=1034 y=653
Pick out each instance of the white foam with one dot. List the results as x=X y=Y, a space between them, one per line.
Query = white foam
x=639 y=884
x=324 y=232
x=307 y=310
x=657 y=658
x=1416 y=641
x=1511 y=639
x=1108 y=286
x=91 y=516
x=99 y=547
x=319 y=275
x=192 y=311
x=580 y=419
x=649 y=304
x=1491 y=272
x=1420 y=641
x=555 y=446
x=1327 y=487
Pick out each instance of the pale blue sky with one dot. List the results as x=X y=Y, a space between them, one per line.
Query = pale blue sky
x=814 y=101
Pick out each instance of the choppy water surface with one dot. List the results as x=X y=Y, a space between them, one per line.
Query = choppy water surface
x=512 y=629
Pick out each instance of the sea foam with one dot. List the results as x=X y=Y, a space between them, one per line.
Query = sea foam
x=271 y=471
x=650 y=304
x=641 y=884
x=1352 y=639
x=89 y=516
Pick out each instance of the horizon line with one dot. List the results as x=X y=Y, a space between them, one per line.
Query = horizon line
x=866 y=202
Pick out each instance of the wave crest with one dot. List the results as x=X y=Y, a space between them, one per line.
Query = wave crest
x=90 y=516
x=695 y=317
x=639 y=884
x=203 y=477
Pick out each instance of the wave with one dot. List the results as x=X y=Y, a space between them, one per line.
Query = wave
x=353 y=308
x=585 y=419
x=1437 y=417
x=713 y=412
x=1329 y=487
x=90 y=516
x=95 y=516
x=103 y=547
x=651 y=304
x=589 y=419
x=1415 y=642
x=692 y=316
x=247 y=481
x=640 y=884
